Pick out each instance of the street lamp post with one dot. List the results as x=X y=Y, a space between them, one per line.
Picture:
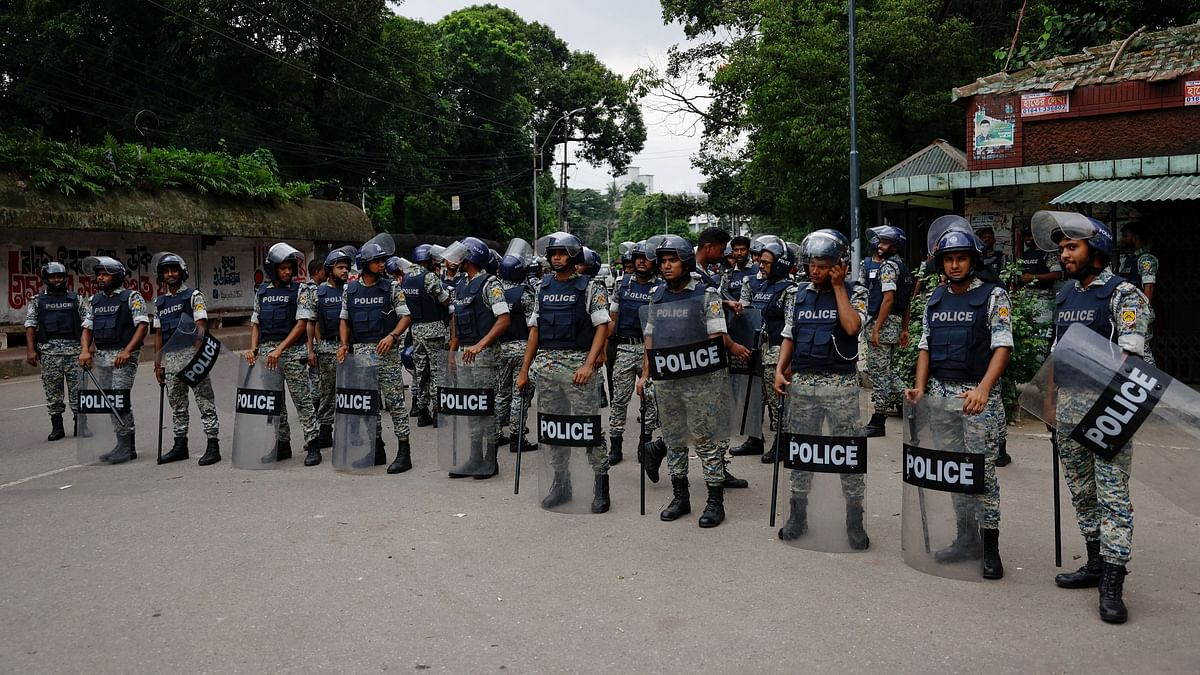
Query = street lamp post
x=855 y=223
x=538 y=155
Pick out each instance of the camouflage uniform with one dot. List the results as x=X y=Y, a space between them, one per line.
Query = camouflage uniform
x=551 y=367
x=625 y=370
x=326 y=348
x=175 y=360
x=1100 y=487
x=493 y=297
x=120 y=378
x=59 y=359
x=294 y=364
x=1144 y=270
x=805 y=414
x=314 y=374
x=885 y=384
x=389 y=367
x=693 y=408
x=512 y=355
x=429 y=340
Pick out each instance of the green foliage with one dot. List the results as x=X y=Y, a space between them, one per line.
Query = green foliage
x=641 y=216
x=72 y=169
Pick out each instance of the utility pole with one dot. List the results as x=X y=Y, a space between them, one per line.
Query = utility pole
x=535 y=191
x=562 y=183
x=855 y=224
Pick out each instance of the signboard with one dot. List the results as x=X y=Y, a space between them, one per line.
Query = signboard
x=1191 y=92
x=990 y=135
x=1033 y=105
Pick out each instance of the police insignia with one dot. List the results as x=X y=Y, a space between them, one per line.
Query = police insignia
x=1128 y=316
x=1146 y=265
x=1003 y=312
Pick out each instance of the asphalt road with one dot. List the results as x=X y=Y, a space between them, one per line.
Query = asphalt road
x=140 y=568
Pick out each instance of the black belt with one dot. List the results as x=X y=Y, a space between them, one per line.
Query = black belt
x=629 y=340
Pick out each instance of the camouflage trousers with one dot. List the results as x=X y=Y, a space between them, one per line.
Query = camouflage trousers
x=117 y=378
x=835 y=415
x=390 y=371
x=57 y=369
x=177 y=396
x=551 y=371
x=625 y=370
x=886 y=386
x=1099 y=487
x=294 y=364
x=770 y=359
x=429 y=339
x=692 y=411
x=512 y=355
x=326 y=382
x=980 y=434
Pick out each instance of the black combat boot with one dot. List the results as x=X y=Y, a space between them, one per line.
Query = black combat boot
x=992 y=567
x=855 y=534
x=124 y=450
x=966 y=545
x=614 y=450
x=652 y=457
x=797 y=522
x=752 y=446
x=415 y=411
x=560 y=490
x=313 y=449
x=1002 y=457
x=403 y=461
x=81 y=427
x=714 y=509
x=732 y=482
x=424 y=419
x=1087 y=576
x=1112 y=585
x=56 y=428
x=681 y=504
x=876 y=427
x=177 y=453
x=212 y=453
x=325 y=436
x=283 y=452
x=520 y=438
x=503 y=439
x=132 y=446
x=473 y=464
x=600 y=500
x=490 y=466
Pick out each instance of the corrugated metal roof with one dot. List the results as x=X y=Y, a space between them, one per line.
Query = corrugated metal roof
x=937 y=157
x=1163 y=55
x=1158 y=189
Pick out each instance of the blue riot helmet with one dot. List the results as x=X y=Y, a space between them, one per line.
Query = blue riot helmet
x=591 y=262
x=379 y=247
x=437 y=253
x=563 y=241
x=780 y=264
x=50 y=269
x=493 y=263
x=406 y=357
x=956 y=239
x=111 y=266
x=673 y=243
x=422 y=253
x=344 y=254
x=625 y=249
x=392 y=266
x=1051 y=227
x=884 y=233
x=164 y=259
x=516 y=260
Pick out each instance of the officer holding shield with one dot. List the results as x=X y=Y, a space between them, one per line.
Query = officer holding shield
x=326 y=334
x=633 y=293
x=519 y=295
x=169 y=308
x=820 y=349
x=1117 y=310
x=427 y=298
x=966 y=343
x=884 y=274
x=113 y=331
x=53 y=326
x=278 y=333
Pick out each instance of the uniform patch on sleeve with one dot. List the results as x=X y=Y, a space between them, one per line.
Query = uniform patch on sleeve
x=496 y=293
x=1147 y=266
x=860 y=305
x=1003 y=312
x=1128 y=316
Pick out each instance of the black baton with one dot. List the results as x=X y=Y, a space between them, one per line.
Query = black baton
x=778 y=458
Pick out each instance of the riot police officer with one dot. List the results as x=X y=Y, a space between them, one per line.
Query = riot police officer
x=1140 y=267
x=53 y=326
x=325 y=336
x=888 y=289
x=278 y=333
x=993 y=262
x=113 y=331
x=966 y=343
x=373 y=319
x=1117 y=310
x=427 y=299
x=169 y=308
x=631 y=295
x=519 y=295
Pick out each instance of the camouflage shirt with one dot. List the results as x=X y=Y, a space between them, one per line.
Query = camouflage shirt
x=858 y=300
x=1129 y=313
x=199 y=309
x=57 y=346
x=137 y=307
x=597 y=304
x=714 y=315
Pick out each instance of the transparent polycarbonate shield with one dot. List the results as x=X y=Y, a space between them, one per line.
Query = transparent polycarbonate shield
x=258 y=403
x=746 y=377
x=466 y=429
x=104 y=410
x=198 y=358
x=942 y=225
x=690 y=372
x=357 y=406
x=943 y=484
x=824 y=455
x=1096 y=395
x=570 y=433
x=519 y=249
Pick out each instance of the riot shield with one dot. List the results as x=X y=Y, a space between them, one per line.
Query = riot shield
x=690 y=373
x=745 y=377
x=104 y=409
x=825 y=451
x=356 y=415
x=569 y=429
x=196 y=357
x=1098 y=396
x=259 y=401
x=943 y=484
x=466 y=425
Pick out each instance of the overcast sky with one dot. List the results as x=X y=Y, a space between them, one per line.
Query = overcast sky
x=624 y=34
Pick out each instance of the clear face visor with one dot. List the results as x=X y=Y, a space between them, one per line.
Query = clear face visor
x=941 y=226
x=821 y=245
x=102 y=263
x=520 y=250
x=1047 y=224
x=437 y=253
x=383 y=241
x=455 y=253
x=281 y=252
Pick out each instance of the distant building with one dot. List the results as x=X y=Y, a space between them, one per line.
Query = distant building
x=634 y=175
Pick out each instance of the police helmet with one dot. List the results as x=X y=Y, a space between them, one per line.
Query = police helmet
x=406 y=357
x=379 y=247
x=780 y=263
x=565 y=241
x=884 y=233
x=54 y=267
x=437 y=253
x=493 y=262
x=112 y=266
x=591 y=262
x=824 y=244
x=756 y=244
x=392 y=265
x=673 y=243
x=344 y=254
x=166 y=259
x=1050 y=227
x=625 y=248
x=958 y=240
x=421 y=253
